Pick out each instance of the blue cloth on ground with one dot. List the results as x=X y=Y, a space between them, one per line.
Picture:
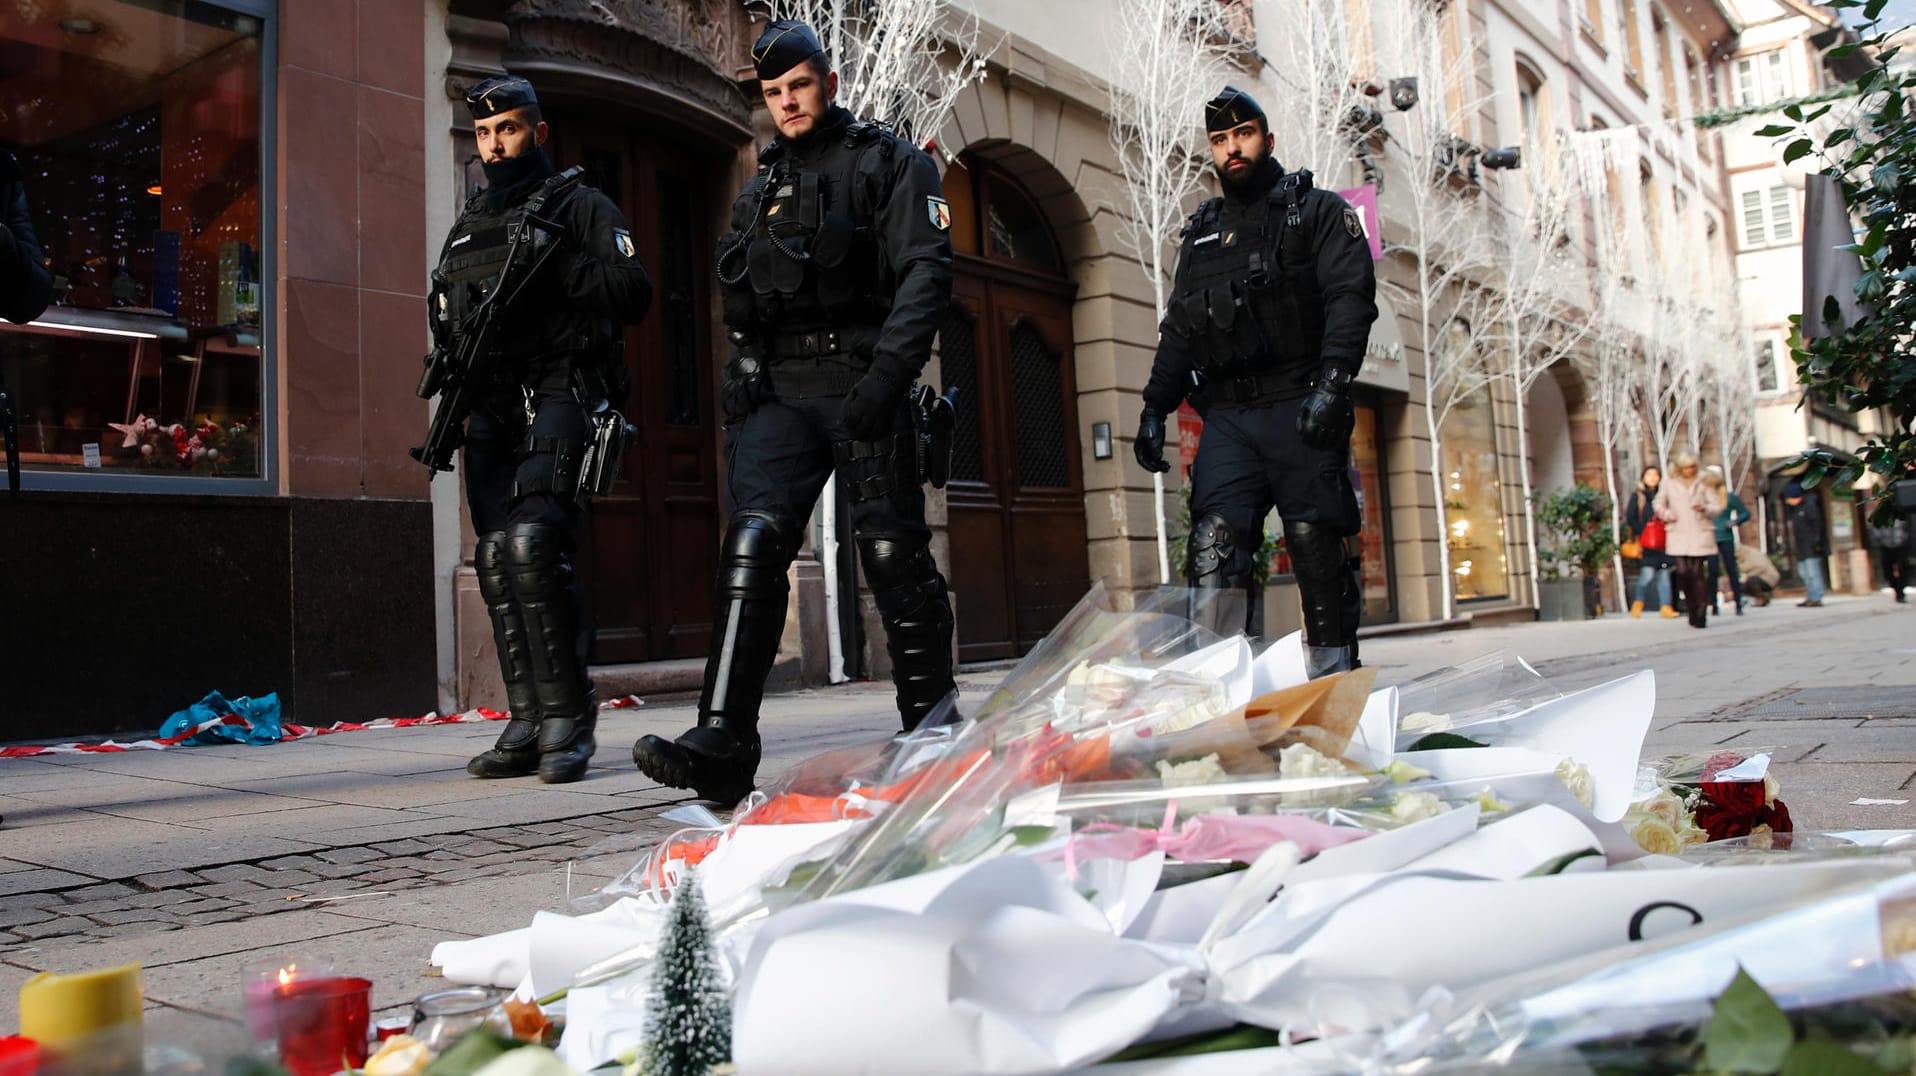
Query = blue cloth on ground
x=259 y=725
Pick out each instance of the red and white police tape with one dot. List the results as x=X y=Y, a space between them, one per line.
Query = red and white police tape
x=287 y=732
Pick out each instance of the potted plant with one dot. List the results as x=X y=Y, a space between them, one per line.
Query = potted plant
x=1576 y=541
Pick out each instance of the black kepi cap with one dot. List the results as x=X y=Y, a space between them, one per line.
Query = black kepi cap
x=500 y=93
x=785 y=44
x=1231 y=108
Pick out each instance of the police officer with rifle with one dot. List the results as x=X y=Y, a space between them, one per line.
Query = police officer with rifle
x=532 y=289
x=1270 y=313
x=835 y=276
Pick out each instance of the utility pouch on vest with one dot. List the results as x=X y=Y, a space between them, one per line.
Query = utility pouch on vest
x=611 y=436
x=934 y=421
x=831 y=258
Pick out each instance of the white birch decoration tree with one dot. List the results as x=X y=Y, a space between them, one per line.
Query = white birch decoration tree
x=1318 y=62
x=902 y=62
x=1610 y=372
x=1544 y=307
x=1445 y=234
x=1168 y=58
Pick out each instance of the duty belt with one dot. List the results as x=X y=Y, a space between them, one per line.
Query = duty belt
x=810 y=344
x=811 y=378
x=1248 y=388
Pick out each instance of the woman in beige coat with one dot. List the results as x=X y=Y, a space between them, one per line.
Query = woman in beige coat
x=1688 y=508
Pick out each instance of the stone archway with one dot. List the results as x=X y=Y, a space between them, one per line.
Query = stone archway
x=1548 y=434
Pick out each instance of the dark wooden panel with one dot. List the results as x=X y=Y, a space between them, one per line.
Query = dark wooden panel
x=979 y=573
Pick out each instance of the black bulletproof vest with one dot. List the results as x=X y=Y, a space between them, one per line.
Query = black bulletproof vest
x=1247 y=294
x=802 y=259
x=469 y=269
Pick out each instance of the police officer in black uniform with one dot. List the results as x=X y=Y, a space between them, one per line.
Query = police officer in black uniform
x=561 y=373
x=1270 y=313
x=835 y=276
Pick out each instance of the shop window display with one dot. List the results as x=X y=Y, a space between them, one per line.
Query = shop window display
x=138 y=132
x=1473 y=500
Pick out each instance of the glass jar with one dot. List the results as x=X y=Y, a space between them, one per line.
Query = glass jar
x=441 y=1018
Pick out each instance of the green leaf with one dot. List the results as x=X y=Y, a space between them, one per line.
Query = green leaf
x=1241 y=1037
x=475 y=1050
x=1841 y=51
x=1774 y=130
x=1817 y=114
x=1797 y=150
x=1794 y=112
x=1443 y=741
x=1821 y=1057
x=1747 y=1032
x=1839 y=136
x=1812 y=476
x=1887 y=177
x=1873 y=10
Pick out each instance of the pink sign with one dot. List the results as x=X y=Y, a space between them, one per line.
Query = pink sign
x=1190 y=430
x=1364 y=200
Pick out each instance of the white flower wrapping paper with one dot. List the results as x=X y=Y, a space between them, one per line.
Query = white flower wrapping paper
x=929 y=940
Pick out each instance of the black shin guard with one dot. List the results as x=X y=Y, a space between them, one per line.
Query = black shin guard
x=719 y=758
x=516 y=753
x=915 y=605
x=1213 y=561
x=1325 y=586
x=539 y=561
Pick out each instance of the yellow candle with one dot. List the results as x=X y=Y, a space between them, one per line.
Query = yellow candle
x=56 y=1010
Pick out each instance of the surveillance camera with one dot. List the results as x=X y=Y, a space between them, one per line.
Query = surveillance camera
x=1507 y=157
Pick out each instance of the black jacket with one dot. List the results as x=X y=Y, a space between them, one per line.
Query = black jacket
x=25 y=285
x=1341 y=262
x=1806 y=529
x=899 y=197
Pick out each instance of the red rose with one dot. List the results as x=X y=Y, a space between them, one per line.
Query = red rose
x=1737 y=797
x=1779 y=819
x=1720 y=824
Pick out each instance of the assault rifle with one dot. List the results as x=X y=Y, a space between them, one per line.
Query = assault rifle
x=465 y=372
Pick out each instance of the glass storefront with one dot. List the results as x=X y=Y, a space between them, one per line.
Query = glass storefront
x=138 y=129
x=1473 y=500
x=1367 y=475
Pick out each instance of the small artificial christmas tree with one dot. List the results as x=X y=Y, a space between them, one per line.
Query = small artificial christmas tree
x=688 y=1028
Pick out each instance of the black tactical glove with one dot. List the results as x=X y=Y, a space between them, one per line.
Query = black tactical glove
x=1149 y=447
x=1325 y=419
x=746 y=387
x=872 y=406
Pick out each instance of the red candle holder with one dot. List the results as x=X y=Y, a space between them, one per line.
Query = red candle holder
x=322 y=1024
x=19 y=1056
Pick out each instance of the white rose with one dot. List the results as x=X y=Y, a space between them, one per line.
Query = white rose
x=1770 y=789
x=1656 y=836
x=1416 y=806
x=1688 y=832
x=1576 y=777
x=1302 y=760
x=1425 y=721
x=1196 y=771
x=1665 y=805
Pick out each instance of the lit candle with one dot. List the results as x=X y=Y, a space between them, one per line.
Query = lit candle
x=323 y=1024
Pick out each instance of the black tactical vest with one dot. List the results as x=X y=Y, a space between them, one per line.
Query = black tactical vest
x=801 y=260
x=1247 y=294
x=469 y=269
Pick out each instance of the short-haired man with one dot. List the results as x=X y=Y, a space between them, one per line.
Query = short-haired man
x=835 y=276
x=1269 y=316
x=561 y=366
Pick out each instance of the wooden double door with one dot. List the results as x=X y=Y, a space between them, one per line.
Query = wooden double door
x=1016 y=497
x=648 y=550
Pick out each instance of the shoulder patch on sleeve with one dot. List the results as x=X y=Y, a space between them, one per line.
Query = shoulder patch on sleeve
x=622 y=239
x=939 y=211
x=1353 y=223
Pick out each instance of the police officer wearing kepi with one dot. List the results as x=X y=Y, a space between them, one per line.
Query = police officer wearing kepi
x=1269 y=316
x=561 y=374
x=835 y=276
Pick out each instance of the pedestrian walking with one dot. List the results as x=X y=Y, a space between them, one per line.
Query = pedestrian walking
x=834 y=279
x=1269 y=316
x=1807 y=541
x=1892 y=546
x=559 y=372
x=1735 y=513
x=1654 y=562
x=1688 y=507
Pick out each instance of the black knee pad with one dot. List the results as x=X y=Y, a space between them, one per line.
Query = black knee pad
x=1210 y=554
x=490 y=564
x=1325 y=582
x=757 y=550
x=538 y=559
x=902 y=575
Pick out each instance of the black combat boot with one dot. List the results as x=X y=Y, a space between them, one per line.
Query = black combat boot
x=516 y=754
x=545 y=589
x=719 y=758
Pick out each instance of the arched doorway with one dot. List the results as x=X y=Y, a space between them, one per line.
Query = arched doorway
x=1019 y=556
x=648 y=550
